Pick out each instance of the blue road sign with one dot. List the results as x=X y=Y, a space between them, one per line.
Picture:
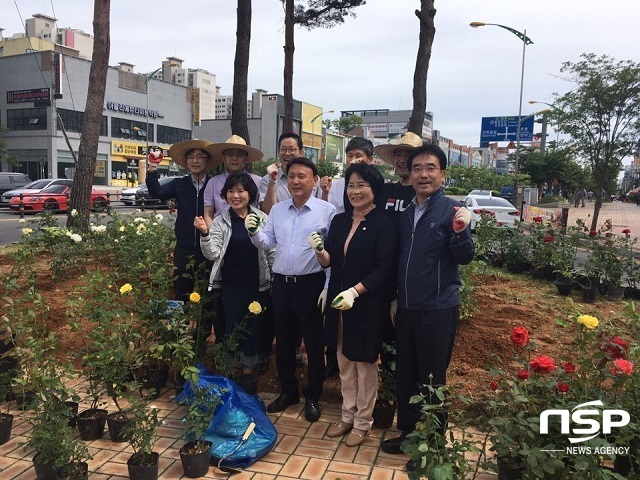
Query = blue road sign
x=505 y=129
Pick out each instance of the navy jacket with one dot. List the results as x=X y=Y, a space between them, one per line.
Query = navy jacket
x=430 y=253
x=190 y=203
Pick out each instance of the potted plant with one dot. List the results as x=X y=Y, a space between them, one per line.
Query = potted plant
x=55 y=445
x=6 y=419
x=517 y=250
x=202 y=404
x=386 y=403
x=141 y=434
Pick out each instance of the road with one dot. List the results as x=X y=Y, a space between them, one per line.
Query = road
x=10 y=226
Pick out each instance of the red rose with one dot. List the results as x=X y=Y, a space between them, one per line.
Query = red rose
x=537 y=219
x=542 y=364
x=626 y=231
x=548 y=239
x=622 y=366
x=494 y=385
x=524 y=374
x=562 y=387
x=500 y=224
x=569 y=368
x=593 y=233
x=617 y=347
x=520 y=336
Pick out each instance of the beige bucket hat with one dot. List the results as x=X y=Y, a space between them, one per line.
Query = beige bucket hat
x=216 y=150
x=178 y=152
x=408 y=141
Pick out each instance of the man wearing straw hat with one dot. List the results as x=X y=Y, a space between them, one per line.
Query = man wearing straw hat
x=188 y=191
x=235 y=154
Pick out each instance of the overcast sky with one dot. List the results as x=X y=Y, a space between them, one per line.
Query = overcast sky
x=368 y=62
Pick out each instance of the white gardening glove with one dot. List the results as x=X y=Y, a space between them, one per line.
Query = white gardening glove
x=315 y=241
x=393 y=310
x=461 y=219
x=272 y=170
x=252 y=223
x=322 y=300
x=344 y=300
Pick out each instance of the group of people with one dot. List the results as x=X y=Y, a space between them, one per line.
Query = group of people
x=345 y=265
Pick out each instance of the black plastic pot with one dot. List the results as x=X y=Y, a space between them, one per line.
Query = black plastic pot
x=507 y=471
x=195 y=465
x=26 y=400
x=117 y=425
x=77 y=471
x=91 y=423
x=564 y=286
x=73 y=412
x=6 y=423
x=517 y=267
x=145 y=471
x=44 y=471
x=590 y=295
x=152 y=379
x=632 y=293
x=383 y=415
x=614 y=292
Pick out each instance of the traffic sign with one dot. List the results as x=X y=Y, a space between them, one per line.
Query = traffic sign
x=505 y=129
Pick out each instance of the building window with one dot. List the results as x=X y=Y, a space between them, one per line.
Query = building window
x=73 y=121
x=130 y=129
x=27 y=119
x=171 y=135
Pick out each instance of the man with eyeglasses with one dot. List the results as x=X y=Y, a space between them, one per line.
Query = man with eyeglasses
x=273 y=187
x=189 y=262
x=434 y=239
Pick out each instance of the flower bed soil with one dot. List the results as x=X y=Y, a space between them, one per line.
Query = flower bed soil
x=502 y=301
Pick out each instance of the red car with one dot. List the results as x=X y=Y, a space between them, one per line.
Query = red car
x=55 y=198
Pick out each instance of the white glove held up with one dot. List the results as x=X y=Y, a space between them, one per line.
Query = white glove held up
x=461 y=219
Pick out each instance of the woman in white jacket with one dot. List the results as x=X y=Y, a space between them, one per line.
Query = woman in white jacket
x=240 y=269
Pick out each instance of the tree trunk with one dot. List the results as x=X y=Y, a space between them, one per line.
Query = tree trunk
x=289 y=49
x=596 y=209
x=239 y=124
x=426 y=15
x=85 y=169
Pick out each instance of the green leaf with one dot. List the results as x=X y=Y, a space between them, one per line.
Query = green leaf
x=443 y=472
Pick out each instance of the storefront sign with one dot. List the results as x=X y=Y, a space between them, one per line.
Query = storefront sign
x=31 y=95
x=121 y=107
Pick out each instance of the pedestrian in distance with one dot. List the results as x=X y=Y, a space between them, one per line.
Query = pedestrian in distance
x=358 y=249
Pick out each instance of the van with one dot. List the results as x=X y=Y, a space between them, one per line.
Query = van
x=10 y=181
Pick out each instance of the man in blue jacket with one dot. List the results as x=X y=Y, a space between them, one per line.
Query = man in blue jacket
x=188 y=259
x=434 y=239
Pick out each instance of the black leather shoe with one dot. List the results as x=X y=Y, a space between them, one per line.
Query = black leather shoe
x=330 y=370
x=411 y=466
x=263 y=363
x=299 y=359
x=392 y=445
x=312 y=411
x=281 y=403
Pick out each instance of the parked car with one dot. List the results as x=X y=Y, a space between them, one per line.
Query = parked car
x=33 y=187
x=130 y=196
x=498 y=207
x=480 y=192
x=56 y=198
x=11 y=181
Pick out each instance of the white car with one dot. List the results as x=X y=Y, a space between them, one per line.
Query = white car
x=497 y=207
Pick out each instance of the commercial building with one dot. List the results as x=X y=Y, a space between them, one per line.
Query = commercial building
x=38 y=88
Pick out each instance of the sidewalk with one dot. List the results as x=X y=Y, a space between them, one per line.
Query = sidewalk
x=302 y=450
x=622 y=215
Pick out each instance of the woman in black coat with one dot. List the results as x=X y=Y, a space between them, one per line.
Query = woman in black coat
x=360 y=249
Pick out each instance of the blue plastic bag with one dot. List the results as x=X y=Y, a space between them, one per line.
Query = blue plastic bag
x=232 y=418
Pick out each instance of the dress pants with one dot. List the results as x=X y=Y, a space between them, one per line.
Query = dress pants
x=359 y=388
x=424 y=343
x=296 y=310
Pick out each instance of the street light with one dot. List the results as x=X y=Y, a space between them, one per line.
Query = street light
x=313 y=131
x=525 y=41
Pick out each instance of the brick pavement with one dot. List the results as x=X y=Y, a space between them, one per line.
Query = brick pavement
x=622 y=215
x=302 y=450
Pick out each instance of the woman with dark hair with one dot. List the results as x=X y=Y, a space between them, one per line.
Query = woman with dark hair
x=243 y=270
x=360 y=249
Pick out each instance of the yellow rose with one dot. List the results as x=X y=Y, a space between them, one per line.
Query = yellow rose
x=255 y=308
x=588 y=321
x=125 y=288
x=194 y=297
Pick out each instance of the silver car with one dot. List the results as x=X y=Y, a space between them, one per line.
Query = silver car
x=497 y=207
